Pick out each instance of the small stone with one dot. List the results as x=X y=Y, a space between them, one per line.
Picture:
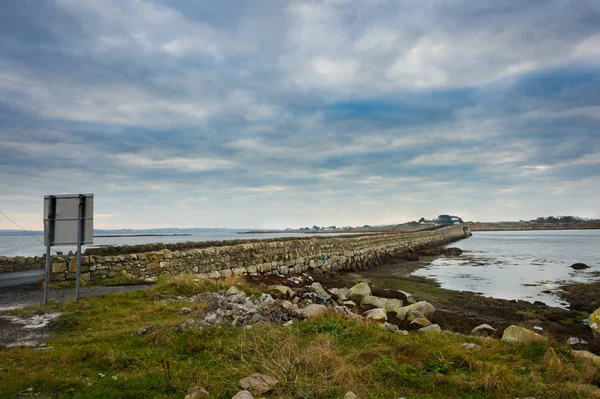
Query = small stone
x=143 y=331
x=359 y=291
x=320 y=291
x=403 y=332
x=431 y=328
x=470 y=346
x=258 y=383
x=377 y=314
x=243 y=395
x=233 y=290
x=185 y=311
x=266 y=298
x=484 y=330
x=188 y=324
x=391 y=327
x=313 y=310
x=282 y=289
x=350 y=395
x=350 y=304
x=587 y=355
x=520 y=334
x=196 y=393
x=573 y=341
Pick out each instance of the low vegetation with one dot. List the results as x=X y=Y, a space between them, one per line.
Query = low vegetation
x=96 y=354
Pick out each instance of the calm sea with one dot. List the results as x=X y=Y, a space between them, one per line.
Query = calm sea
x=525 y=265
x=29 y=246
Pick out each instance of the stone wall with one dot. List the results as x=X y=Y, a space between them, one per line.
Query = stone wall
x=266 y=257
x=21 y=263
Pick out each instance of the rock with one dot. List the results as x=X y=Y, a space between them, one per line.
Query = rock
x=258 y=383
x=469 y=346
x=484 y=330
x=350 y=395
x=233 y=290
x=415 y=314
x=410 y=256
x=595 y=323
x=144 y=330
x=359 y=291
x=520 y=334
x=579 y=266
x=282 y=289
x=243 y=395
x=185 y=311
x=188 y=325
x=313 y=310
x=391 y=327
x=237 y=298
x=320 y=291
x=196 y=393
x=423 y=322
x=377 y=314
x=372 y=302
x=573 y=341
x=392 y=304
x=266 y=298
x=587 y=355
x=349 y=304
x=432 y=328
x=338 y=294
x=453 y=251
x=407 y=298
x=424 y=307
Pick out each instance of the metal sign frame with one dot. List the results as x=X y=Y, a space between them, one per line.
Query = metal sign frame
x=68 y=220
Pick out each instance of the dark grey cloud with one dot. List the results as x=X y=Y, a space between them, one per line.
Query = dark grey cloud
x=270 y=114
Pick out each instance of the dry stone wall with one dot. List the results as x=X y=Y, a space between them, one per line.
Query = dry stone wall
x=271 y=257
x=21 y=263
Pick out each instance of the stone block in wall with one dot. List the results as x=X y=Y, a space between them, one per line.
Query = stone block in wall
x=59 y=267
x=284 y=270
x=226 y=273
x=238 y=271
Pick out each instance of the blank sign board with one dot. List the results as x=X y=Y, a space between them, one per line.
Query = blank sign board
x=61 y=218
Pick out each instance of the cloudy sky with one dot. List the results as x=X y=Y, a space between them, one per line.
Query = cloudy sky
x=290 y=113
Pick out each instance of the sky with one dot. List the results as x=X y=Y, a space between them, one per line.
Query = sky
x=275 y=114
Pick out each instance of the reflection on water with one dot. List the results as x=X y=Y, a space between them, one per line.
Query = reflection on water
x=524 y=265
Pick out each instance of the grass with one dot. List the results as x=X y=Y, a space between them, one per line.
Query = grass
x=95 y=355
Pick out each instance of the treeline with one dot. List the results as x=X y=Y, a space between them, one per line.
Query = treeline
x=562 y=219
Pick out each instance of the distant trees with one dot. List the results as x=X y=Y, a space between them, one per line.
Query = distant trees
x=448 y=219
x=366 y=226
x=559 y=219
x=315 y=227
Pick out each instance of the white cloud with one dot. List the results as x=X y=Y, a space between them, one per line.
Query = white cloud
x=177 y=163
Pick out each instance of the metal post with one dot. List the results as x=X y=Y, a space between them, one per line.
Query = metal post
x=49 y=241
x=79 y=241
x=47 y=275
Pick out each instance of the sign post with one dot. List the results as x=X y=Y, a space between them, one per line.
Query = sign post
x=68 y=220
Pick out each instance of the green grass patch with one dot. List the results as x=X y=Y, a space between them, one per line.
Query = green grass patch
x=95 y=355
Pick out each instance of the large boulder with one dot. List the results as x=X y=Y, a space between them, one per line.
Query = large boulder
x=372 y=302
x=595 y=323
x=313 y=310
x=520 y=334
x=379 y=315
x=424 y=307
x=421 y=321
x=359 y=291
x=431 y=328
x=258 y=383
